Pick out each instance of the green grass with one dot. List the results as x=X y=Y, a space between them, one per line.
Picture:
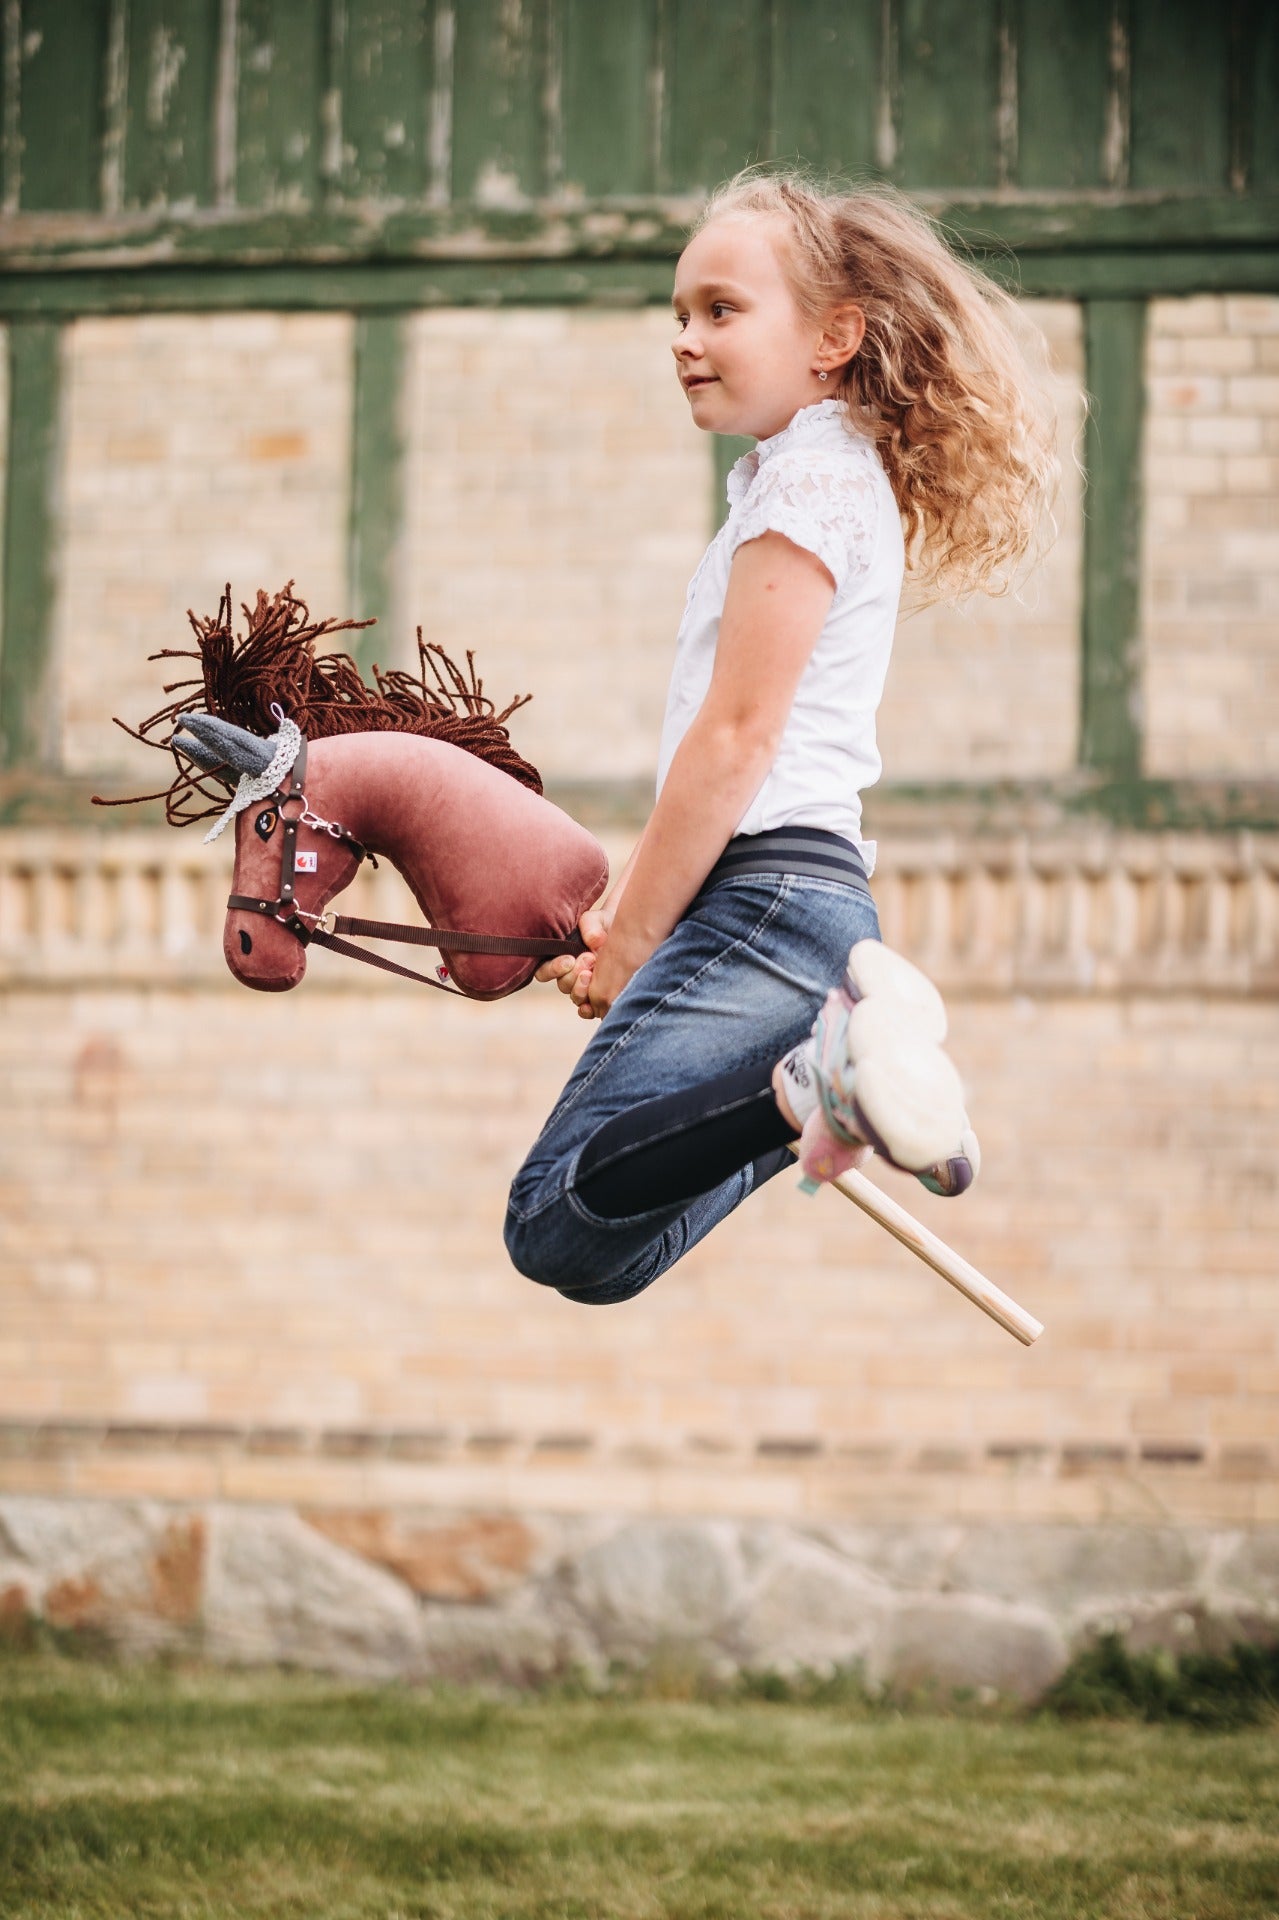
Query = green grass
x=145 y=1792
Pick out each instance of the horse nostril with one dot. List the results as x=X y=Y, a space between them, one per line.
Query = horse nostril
x=246 y=942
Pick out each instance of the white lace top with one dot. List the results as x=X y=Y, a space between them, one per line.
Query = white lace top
x=824 y=487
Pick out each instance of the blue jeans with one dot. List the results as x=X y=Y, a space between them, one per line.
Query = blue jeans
x=739 y=982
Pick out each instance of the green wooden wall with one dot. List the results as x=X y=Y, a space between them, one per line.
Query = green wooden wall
x=130 y=106
x=380 y=155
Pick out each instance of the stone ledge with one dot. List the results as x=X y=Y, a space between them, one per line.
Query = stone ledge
x=768 y=1474
x=1087 y=911
x=422 y=1593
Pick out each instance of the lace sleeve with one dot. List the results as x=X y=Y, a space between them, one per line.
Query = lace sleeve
x=828 y=506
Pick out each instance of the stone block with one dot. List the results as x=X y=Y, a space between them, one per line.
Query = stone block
x=808 y=1610
x=131 y=1571
x=947 y=1642
x=1062 y=1568
x=658 y=1585
x=277 y=1592
x=1249 y=1566
x=531 y=1637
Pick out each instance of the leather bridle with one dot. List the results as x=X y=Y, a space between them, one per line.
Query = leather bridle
x=326 y=929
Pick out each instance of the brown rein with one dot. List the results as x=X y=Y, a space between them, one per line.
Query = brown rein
x=327 y=928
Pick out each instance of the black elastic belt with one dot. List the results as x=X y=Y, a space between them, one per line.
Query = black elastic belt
x=811 y=851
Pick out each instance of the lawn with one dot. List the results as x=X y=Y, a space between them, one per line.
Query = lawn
x=138 y=1791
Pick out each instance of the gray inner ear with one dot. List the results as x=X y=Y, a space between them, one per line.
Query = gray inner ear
x=211 y=742
x=206 y=757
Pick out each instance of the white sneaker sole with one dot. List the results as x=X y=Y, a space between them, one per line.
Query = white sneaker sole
x=876 y=972
x=911 y=1098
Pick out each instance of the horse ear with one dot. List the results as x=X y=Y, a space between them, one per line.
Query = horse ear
x=194 y=749
x=211 y=743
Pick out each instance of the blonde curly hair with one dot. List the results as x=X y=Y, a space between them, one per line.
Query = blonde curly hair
x=945 y=381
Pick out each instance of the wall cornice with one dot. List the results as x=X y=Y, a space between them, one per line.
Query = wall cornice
x=1082 y=911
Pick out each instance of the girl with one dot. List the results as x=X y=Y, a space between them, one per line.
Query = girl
x=897 y=426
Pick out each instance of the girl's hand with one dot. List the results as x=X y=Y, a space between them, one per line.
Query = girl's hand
x=610 y=971
x=572 y=973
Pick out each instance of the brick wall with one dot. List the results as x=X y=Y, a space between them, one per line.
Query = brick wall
x=558 y=504
x=558 y=501
x=197 y=450
x=282 y=1216
x=1211 y=559
x=990 y=689
x=202 y=448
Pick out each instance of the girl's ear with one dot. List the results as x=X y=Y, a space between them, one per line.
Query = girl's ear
x=843 y=333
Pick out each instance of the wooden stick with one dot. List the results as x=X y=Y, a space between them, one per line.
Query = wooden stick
x=942 y=1259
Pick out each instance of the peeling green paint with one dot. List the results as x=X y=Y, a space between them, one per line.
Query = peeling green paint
x=29 y=535
x=377 y=482
x=497 y=101
x=1110 y=660
x=282 y=102
x=170 y=82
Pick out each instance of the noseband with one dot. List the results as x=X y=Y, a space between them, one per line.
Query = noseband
x=326 y=929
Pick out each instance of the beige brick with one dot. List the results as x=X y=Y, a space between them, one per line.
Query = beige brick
x=1213 y=353
x=1192 y=474
x=1204 y=314
x=1252 y=476
x=1167 y=354
x=1252 y=313
x=1188 y=392
x=1224 y=433
x=1254 y=393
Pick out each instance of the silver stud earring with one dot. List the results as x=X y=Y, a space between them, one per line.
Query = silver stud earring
x=821 y=373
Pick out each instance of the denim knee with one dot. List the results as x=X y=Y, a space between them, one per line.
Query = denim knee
x=541 y=1252
x=527 y=1256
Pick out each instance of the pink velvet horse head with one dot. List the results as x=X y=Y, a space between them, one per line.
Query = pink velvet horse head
x=326 y=766
x=480 y=851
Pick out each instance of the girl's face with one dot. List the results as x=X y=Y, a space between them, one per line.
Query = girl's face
x=746 y=356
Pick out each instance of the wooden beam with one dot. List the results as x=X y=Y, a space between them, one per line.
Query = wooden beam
x=377 y=483
x=30 y=534
x=1110 y=690
x=363 y=286
x=357 y=289
x=1092 y=226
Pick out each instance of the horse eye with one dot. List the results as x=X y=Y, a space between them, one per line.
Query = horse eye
x=264 y=825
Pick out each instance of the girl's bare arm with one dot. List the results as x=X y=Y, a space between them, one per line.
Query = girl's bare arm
x=777 y=601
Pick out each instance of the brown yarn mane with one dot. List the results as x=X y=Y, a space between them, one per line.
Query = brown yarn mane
x=325 y=693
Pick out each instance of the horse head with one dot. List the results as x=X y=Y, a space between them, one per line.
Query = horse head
x=480 y=851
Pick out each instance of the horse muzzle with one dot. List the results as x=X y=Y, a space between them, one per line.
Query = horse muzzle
x=262 y=952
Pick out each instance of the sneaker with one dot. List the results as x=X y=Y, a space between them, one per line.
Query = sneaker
x=873 y=1075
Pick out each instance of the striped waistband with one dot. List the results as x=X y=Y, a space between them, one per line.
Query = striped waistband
x=810 y=851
